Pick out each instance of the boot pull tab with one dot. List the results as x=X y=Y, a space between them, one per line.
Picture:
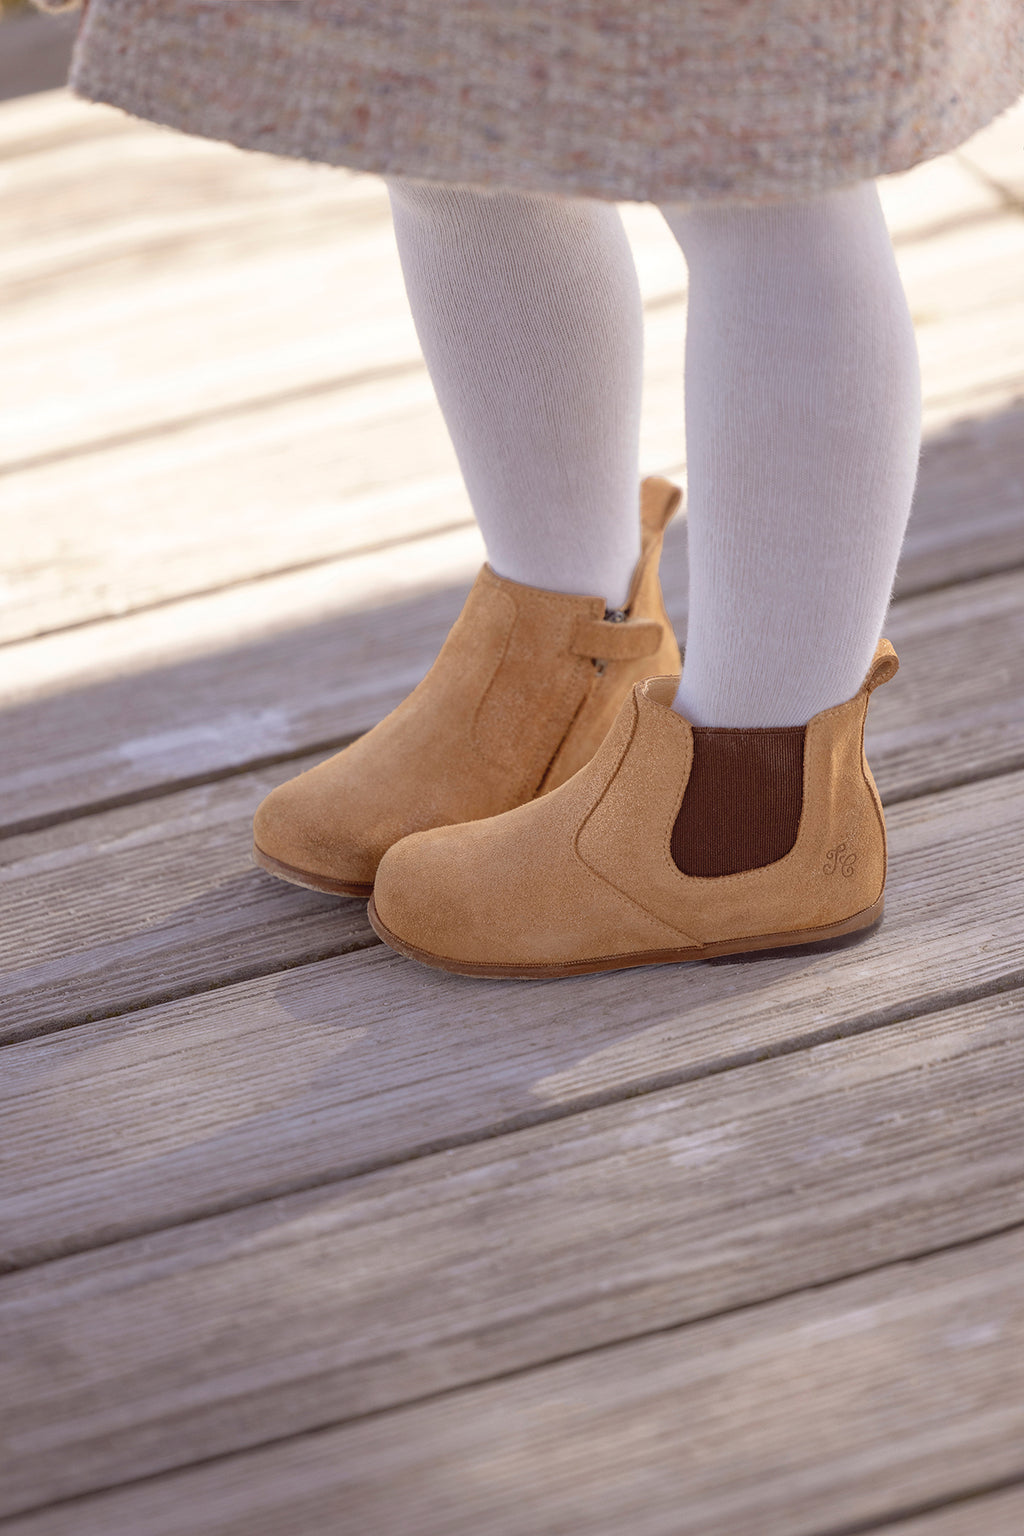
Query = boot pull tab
x=659 y=499
x=617 y=639
x=884 y=666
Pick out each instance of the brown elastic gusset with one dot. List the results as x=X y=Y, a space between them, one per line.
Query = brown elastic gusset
x=743 y=800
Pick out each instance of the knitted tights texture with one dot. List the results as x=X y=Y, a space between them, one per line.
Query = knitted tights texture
x=802 y=418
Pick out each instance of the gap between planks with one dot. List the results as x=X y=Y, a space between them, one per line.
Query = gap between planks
x=305 y=482
x=346 y=1066
x=703 y=1201
x=730 y=1528
x=157 y=899
x=346 y=214
x=215 y=687
x=996 y=1510
x=658 y=257
x=809 y=1413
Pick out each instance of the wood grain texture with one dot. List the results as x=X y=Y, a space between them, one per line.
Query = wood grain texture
x=307 y=477
x=933 y=197
x=156 y=899
x=47 y=120
x=315 y=475
x=993 y=155
x=308 y=399
x=801 y=1416
x=287 y=1081
x=570 y=1256
x=566 y=1238
x=968 y=514
x=213 y=686
x=993 y=1514
x=296 y=483
x=332 y=461
x=241 y=248
x=960 y=711
x=152 y=901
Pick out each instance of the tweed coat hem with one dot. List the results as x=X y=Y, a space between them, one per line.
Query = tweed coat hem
x=747 y=101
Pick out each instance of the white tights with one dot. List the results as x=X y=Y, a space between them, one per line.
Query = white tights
x=803 y=418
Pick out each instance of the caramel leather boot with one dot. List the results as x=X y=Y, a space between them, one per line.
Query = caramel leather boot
x=674 y=842
x=525 y=688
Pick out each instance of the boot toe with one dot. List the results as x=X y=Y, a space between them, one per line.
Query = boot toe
x=426 y=903
x=298 y=826
x=506 y=896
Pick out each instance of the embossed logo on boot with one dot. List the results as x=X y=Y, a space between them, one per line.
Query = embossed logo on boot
x=839 y=858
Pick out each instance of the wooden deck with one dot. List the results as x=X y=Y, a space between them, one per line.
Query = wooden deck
x=302 y=1238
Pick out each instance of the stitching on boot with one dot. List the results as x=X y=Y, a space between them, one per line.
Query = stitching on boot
x=596 y=874
x=743 y=801
x=556 y=754
x=874 y=797
x=562 y=700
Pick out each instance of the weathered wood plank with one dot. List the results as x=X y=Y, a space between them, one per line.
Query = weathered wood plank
x=319 y=477
x=942 y=274
x=49 y=120
x=252 y=253
x=312 y=473
x=960 y=711
x=86 y=189
x=278 y=489
x=248 y=1100
x=993 y=1514
x=968 y=513
x=330 y=1069
x=184 y=691
x=289 y=273
x=151 y=901
x=219 y=683
x=994 y=153
x=805 y=1415
x=692 y=1202
x=973 y=363
x=209 y=189
x=923 y=202
x=298 y=481
x=75 y=173
x=156 y=899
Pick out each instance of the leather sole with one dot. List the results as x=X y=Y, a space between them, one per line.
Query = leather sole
x=308 y=877
x=808 y=940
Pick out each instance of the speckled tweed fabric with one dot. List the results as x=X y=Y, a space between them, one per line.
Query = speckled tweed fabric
x=631 y=100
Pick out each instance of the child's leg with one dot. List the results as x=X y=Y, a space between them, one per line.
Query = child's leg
x=529 y=315
x=803 y=430
x=528 y=310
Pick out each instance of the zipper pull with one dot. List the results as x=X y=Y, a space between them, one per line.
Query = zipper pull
x=611 y=616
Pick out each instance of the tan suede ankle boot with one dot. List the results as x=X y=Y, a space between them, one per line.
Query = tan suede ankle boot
x=525 y=688
x=674 y=843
